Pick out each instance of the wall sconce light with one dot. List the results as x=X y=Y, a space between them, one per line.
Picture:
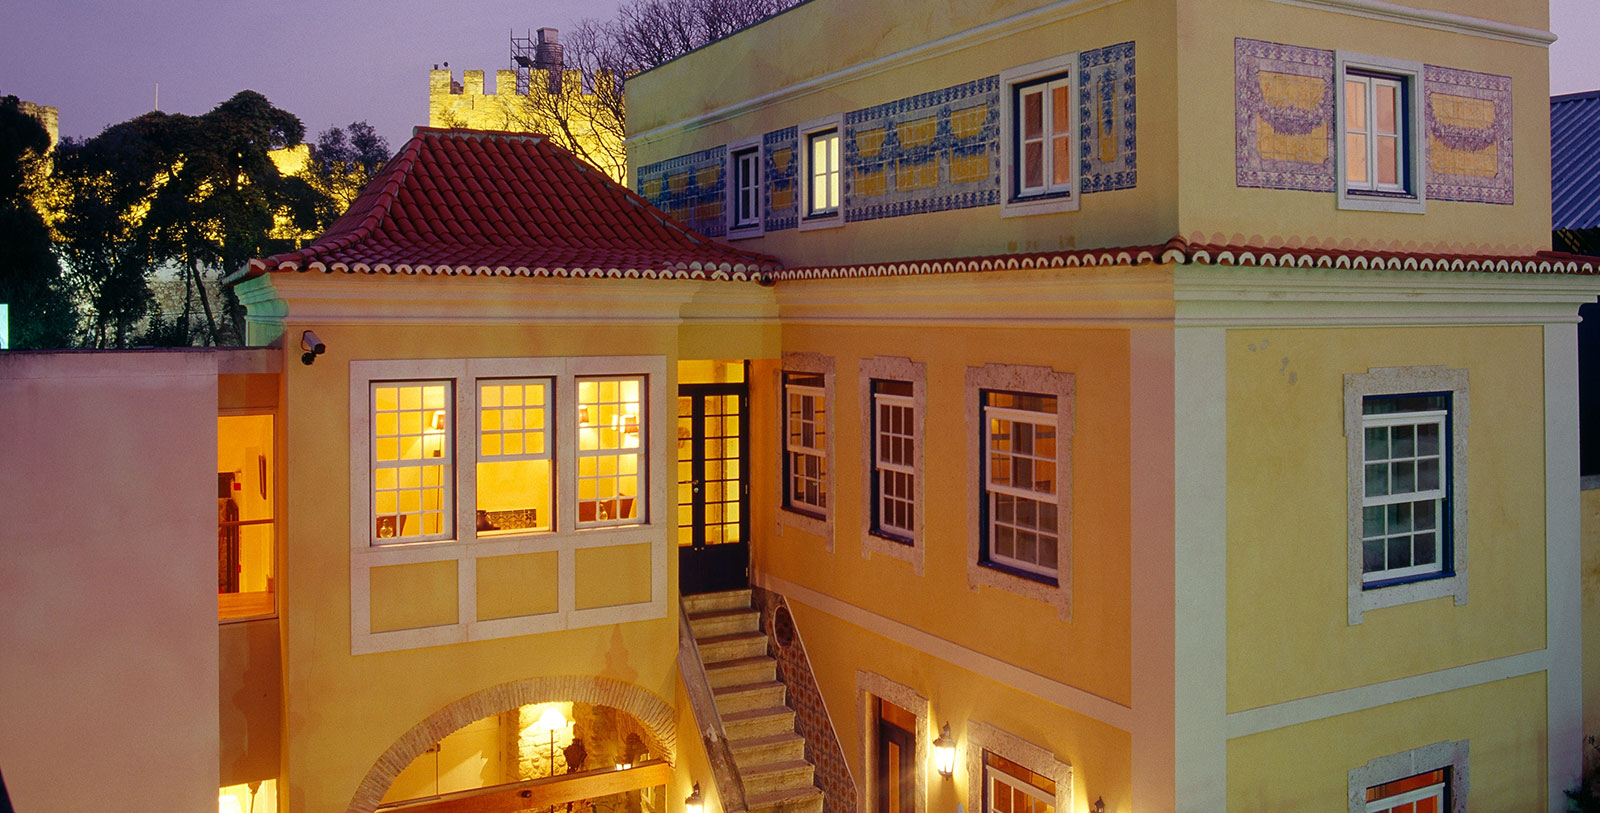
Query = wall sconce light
x=694 y=803
x=1099 y=805
x=944 y=753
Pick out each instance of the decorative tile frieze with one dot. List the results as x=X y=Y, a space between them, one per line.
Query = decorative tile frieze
x=1107 y=139
x=925 y=153
x=690 y=188
x=1284 y=116
x=780 y=168
x=1467 y=121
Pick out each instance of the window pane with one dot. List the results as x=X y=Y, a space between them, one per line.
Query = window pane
x=1033 y=114
x=1355 y=104
x=1355 y=158
x=1388 y=160
x=1060 y=110
x=1033 y=165
x=1388 y=108
x=1061 y=160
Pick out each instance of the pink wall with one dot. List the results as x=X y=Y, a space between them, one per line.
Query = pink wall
x=108 y=630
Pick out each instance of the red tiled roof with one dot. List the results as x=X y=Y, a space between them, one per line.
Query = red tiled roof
x=507 y=204
x=1179 y=251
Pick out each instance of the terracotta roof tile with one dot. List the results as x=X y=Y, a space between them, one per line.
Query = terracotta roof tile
x=464 y=202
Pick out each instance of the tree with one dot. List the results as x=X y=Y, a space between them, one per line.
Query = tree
x=342 y=161
x=39 y=309
x=587 y=113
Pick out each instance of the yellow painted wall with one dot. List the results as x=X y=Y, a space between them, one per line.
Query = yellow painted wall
x=1212 y=208
x=251 y=691
x=410 y=596
x=1591 y=619
x=1287 y=512
x=1306 y=767
x=343 y=711
x=1091 y=651
x=1100 y=754
x=509 y=586
x=764 y=59
x=612 y=575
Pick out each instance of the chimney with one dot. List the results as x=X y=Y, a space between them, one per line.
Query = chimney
x=547 y=52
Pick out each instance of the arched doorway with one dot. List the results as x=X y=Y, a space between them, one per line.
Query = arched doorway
x=600 y=715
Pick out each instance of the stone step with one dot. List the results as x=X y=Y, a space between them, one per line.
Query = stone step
x=773 y=777
x=746 y=696
x=771 y=748
x=722 y=648
x=744 y=670
x=793 y=800
x=724 y=622
x=710 y=602
x=763 y=722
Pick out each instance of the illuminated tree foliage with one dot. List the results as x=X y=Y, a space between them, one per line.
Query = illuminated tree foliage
x=194 y=196
x=342 y=161
x=645 y=33
x=40 y=312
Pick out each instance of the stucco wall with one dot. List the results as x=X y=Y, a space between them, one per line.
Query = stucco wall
x=108 y=581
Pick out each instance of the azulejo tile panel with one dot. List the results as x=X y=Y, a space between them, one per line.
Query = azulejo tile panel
x=1466 y=119
x=689 y=188
x=780 y=196
x=926 y=153
x=1283 y=110
x=1107 y=139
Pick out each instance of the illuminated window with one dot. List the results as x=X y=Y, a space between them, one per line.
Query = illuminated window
x=1011 y=788
x=1430 y=779
x=1380 y=144
x=1043 y=129
x=412 y=457
x=822 y=173
x=894 y=460
x=610 y=450
x=1020 y=482
x=514 y=455
x=1423 y=793
x=805 y=432
x=246 y=527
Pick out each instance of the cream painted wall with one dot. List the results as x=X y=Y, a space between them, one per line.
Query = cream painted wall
x=1287 y=524
x=108 y=580
x=1591 y=620
x=1306 y=767
x=762 y=59
x=251 y=693
x=1212 y=208
x=342 y=711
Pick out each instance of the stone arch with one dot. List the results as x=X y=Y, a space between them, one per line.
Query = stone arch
x=650 y=710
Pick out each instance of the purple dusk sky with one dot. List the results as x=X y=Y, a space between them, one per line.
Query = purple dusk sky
x=336 y=61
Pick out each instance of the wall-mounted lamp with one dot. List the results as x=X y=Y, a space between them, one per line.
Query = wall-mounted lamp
x=312 y=346
x=1099 y=805
x=694 y=803
x=944 y=753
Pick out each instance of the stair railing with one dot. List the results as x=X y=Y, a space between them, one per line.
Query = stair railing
x=698 y=687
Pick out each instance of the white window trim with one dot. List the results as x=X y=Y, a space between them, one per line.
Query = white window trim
x=1020 y=378
x=464 y=549
x=834 y=219
x=757 y=229
x=1441 y=419
x=1010 y=204
x=871 y=685
x=821 y=526
x=1400 y=381
x=1409 y=72
x=895 y=369
x=1447 y=754
x=981 y=736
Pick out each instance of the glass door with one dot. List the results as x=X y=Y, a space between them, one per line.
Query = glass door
x=713 y=523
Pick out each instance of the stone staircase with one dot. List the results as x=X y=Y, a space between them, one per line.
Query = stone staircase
x=769 y=755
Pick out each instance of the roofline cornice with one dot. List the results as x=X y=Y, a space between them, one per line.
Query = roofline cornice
x=1428 y=18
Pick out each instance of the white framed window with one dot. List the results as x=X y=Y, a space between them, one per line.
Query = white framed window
x=516 y=453
x=744 y=189
x=1430 y=779
x=822 y=173
x=1406 y=487
x=1008 y=774
x=611 y=465
x=1011 y=788
x=412 y=460
x=1039 y=148
x=1406 y=433
x=805 y=443
x=1380 y=149
x=894 y=472
x=1021 y=526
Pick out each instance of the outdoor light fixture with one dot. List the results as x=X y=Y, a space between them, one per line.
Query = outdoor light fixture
x=552 y=721
x=694 y=804
x=1100 y=805
x=944 y=753
x=313 y=347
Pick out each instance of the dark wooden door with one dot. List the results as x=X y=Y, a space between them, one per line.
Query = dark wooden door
x=713 y=487
x=896 y=766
